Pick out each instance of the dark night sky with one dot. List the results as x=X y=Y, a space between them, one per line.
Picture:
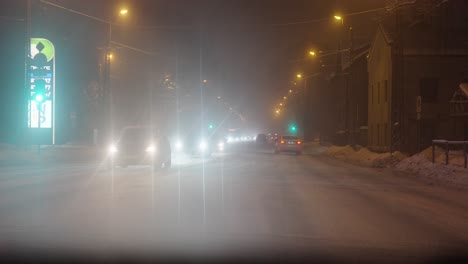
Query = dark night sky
x=245 y=55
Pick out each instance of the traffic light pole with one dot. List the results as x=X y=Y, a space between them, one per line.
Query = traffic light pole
x=39 y=106
x=27 y=86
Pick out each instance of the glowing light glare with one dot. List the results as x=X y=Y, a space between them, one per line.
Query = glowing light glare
x=290 y=91
x=338 y=17
x=124 y=11
x=151 y=149
x=312 y=53
x=281 y=104
x=113 y=149
x=203 y=146
x=221 y=146
x=179 y=145
x=277 y=111
x=299 y=76
x=230 y=139
x=205 y=81
x=284 y=97
x=39 y=98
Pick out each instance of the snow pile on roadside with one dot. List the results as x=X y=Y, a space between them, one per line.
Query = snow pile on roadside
x=364 y=157
x=421 y=165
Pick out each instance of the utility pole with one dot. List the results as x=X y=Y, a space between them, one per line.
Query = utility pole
x=27 y=86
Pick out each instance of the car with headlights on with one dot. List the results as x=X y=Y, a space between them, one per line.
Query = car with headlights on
x=198 y=146
x=288 y=144
x=140 y=145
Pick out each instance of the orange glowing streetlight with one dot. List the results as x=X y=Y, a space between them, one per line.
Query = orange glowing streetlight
x=338 y=18
x=123 y=11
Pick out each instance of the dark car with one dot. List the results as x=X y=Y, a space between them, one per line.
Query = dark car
x=140 y=145
x=261 y=139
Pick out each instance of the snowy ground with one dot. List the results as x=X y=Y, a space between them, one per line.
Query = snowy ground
x=244 y=203
x=419 y=165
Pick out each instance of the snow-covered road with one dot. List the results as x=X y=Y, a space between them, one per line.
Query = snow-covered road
x=247 y=201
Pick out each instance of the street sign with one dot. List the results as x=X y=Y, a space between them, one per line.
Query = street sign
x=41 y=75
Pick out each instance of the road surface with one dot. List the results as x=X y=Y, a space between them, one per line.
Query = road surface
x=246 y=202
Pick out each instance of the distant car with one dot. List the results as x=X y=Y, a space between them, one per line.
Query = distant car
x=288 y=144
x=261 y=139
x=140 y=145
x=273 y=138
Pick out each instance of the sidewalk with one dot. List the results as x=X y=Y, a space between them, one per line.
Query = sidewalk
x=15 y=156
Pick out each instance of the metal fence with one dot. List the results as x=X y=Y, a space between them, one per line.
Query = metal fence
x=447 y=147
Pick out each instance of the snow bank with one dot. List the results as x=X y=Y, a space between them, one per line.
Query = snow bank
x=364 y=157
x=421 y=166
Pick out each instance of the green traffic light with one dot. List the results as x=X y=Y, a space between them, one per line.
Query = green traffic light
x=292 y=129
x=211 y=126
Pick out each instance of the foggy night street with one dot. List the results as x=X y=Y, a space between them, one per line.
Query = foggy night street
x=273 y=130
x=245 y=199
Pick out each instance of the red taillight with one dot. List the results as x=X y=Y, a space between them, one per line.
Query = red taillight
x=299 y=142
x=282 y=142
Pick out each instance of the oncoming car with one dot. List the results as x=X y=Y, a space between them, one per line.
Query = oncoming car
x=288 y=144
x=140 y=145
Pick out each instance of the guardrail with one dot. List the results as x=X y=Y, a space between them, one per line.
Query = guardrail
x=447 y=145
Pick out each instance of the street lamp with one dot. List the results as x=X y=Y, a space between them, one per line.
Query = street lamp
x=299 y=76
x=290 y=91
x=205 y=81
x=312 y=53
x=107 y=65
x=338 y=17
x=284 y=97
x=281 y=104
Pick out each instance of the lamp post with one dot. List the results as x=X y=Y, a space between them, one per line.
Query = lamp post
x=346 y=112
x=107 y=69
x=302 y=103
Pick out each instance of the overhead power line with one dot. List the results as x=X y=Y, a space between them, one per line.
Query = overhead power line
x=109 y=22
x=321 y=56
x=76 y=12
x=134 y=49
x=328 y=18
